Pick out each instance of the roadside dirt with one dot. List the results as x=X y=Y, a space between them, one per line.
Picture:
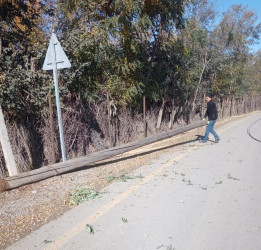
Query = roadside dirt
x=27 y=208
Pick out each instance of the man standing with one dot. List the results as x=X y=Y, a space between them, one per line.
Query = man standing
x=212 y=115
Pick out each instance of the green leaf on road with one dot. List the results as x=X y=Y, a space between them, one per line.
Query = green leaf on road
x=82 y=194
x=124 y=220
x=232 y=178
x=123 y=178
x=90 y=228
x=47 y=241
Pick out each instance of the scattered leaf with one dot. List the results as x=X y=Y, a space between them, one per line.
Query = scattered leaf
x=47 y=241
x=82 y=194
x=160 y=246
x=124 y=220
x=90 y=228
x=190 y=183
x=124 y=178
x=232 y=178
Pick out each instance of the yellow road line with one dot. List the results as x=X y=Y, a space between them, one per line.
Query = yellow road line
x=104 y=209
x=67 y=236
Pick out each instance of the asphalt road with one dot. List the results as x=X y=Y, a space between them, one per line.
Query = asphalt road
x=203 y=197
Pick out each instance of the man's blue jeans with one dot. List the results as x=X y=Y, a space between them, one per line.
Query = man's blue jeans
x=210 y=129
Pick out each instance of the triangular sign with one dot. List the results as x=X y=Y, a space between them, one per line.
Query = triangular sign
x=55 y=54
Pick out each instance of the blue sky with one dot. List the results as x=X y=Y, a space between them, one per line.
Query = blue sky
x=254 y=5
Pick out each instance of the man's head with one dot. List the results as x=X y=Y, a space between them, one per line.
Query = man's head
x=209 y=97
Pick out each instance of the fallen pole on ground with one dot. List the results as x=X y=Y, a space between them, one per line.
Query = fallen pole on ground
x=77 y=163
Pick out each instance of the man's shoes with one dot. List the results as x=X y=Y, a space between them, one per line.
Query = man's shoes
x=202 y=141
x=217 y=140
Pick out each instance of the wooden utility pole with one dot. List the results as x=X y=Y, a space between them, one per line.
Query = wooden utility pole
x=1 y=46
x=203 y=109
x=33 y=64
x=51 y=126
x=73 y=164
x=144 y=116
x=6 y=146
x=109 y=118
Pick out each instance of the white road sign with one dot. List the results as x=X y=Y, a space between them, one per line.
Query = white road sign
x=56 y=59
x=60 y=56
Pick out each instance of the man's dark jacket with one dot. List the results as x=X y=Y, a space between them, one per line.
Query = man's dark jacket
x=211 y=112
